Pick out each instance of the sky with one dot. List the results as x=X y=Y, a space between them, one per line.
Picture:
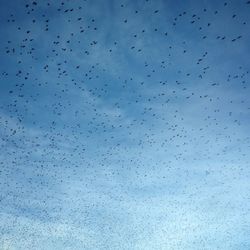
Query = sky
x=124 y=125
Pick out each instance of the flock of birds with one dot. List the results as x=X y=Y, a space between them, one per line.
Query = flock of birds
x=114 y=114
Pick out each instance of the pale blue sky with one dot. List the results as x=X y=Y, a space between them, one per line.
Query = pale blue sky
x=124 y=125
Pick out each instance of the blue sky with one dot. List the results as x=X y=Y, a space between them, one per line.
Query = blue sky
x=124 y=125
